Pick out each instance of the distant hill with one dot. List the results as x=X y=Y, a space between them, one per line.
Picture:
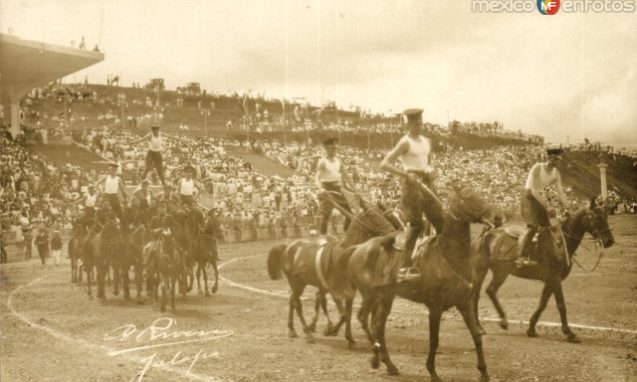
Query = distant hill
x=580 y=171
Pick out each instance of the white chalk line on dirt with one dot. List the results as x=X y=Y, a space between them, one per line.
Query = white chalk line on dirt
x=92 y=346
x=488 y=319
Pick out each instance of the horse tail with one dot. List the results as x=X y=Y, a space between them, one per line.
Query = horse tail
x=275 y=270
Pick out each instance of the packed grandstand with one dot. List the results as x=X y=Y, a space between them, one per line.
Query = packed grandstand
x=98 y=124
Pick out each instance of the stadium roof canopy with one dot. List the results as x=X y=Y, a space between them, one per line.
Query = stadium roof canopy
x=26 y=64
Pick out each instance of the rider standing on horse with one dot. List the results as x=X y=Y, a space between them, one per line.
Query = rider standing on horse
x=90 y=203
x=154 y=157
x=536 y=210
x=414 y=151
x=113 y=184
x=330 y=173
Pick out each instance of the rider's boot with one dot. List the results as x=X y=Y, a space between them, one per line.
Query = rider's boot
x=408 y=272
x=524 y=256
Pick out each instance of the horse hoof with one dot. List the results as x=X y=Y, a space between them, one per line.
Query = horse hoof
x=392 y=370
x=329 y=331
x=312 y=328
x=481 y=331
x=574 y=339
x=531 y=333
x=351 y=344
x=309 y=338
x=292 y=334
x=504 y=324
x=485 y=378
x=214 y=289
x=374 y=362
x=115 y=292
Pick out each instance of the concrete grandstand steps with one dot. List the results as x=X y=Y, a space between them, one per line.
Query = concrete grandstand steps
x=579 y=170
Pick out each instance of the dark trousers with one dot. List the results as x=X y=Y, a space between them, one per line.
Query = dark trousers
x=115 y=205
x=332 y=195
x=415 y=203
x=154 y=160
x=535 y=216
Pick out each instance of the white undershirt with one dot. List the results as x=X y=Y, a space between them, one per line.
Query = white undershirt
x=417 y=157
x=330 y=171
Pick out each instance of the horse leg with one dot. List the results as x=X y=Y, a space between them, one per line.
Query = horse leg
x=100 y=281
x=499 y=276
x=199 y=291
x=297 y=291
x=561 y=307
x=544 y=298
x=341 y=320
x=481 y=273
x=348 y=323
x=88 y=280
x=138 y=281
x=205 y=280
x=386 y=301
x=216 y=285
x=116 y=278
x=317 y=307
x=434 y=329
x=471 y=322
x=363 y=317
x=291 y=331
x=172 y=293
x=163 y=293
x=126 y=283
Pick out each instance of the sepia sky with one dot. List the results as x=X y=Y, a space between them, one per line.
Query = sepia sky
x=570 y=74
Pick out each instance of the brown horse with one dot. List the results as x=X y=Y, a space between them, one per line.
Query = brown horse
x=309 y=263
x=103 y=248
x=75 y=246
x=165 y=266
x=498 y=251
x=445 y=265
x=205 y=233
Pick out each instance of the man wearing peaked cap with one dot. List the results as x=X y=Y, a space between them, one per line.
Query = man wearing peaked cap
x=330 y=173
x=414 y=151
x=536 y=210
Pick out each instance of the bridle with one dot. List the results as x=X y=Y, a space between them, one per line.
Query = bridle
x=596 y=233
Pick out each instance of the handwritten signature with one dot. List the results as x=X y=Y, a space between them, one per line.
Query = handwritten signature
x=160 y=333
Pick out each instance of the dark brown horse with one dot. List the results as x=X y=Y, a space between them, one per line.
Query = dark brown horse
x=103 y=248
x=309 y=263
x=498 y=251
x=446 y=272
x=165 y=266
x=75 y=248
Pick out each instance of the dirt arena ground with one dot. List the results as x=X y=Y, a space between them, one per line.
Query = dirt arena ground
x=51 y=331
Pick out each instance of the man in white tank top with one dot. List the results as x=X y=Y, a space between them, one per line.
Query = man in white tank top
x=330 y=174
x=156 y=148
x=414 y=151
x=187 y=187
x=90 y=202
x=536 y=211
x=113 y=184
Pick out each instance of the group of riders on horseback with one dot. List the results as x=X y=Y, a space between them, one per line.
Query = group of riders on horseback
x=385 y=253
x=170 y=220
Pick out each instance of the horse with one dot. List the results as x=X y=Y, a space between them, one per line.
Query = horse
x=498 y=250
x=75 y=246
x=103 y=248
x=136 y=235
x=184 y=239
x=204 y=249
x=165 y=265
x=445 y=265
x=310 y=263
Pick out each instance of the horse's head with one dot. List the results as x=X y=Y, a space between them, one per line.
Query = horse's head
x=470 y=206
x=595 y=222
x=373 y=221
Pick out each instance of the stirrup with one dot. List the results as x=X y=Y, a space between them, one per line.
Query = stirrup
x=524 y=262
x=408 y=274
